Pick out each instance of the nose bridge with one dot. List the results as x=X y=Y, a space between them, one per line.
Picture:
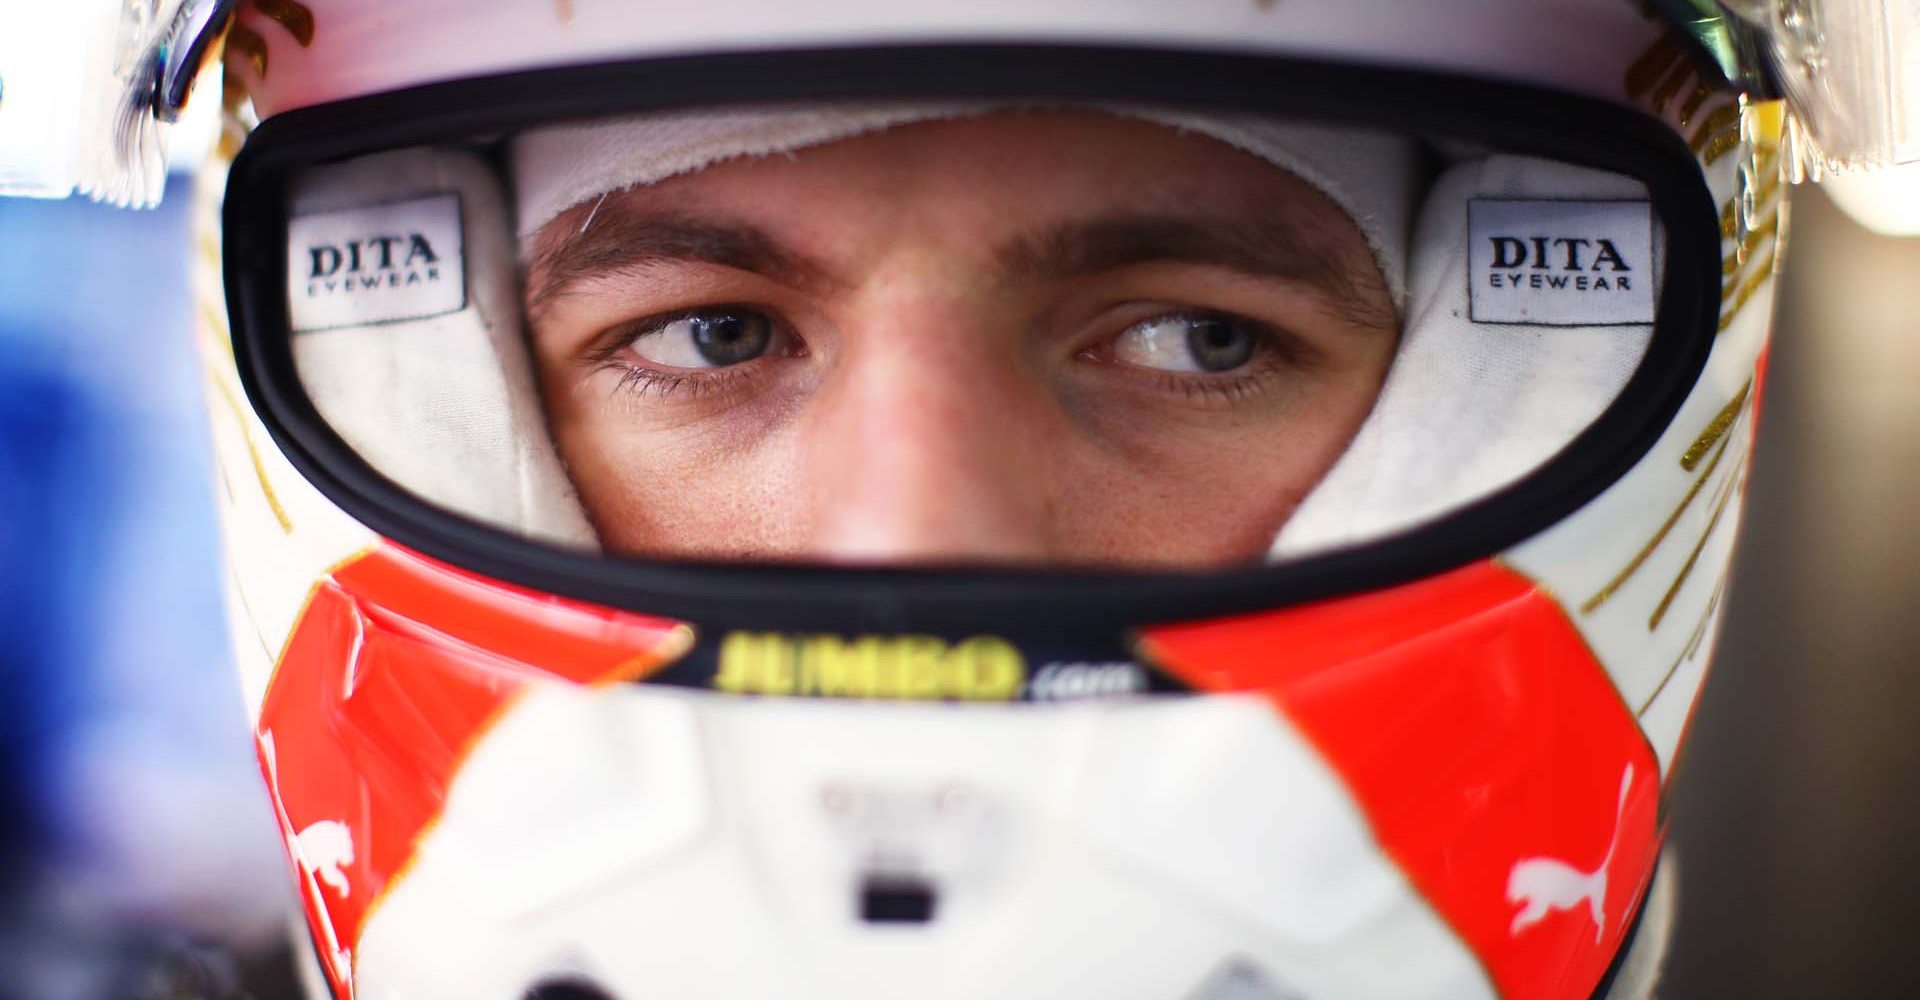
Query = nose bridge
x=920 y=445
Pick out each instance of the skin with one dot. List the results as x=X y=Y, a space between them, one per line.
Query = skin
x=974 y=334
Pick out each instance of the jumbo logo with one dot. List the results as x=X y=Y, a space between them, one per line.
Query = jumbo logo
x=912 y=667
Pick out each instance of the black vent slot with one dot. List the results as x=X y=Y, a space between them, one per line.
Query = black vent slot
x=566 y=989
x=897 y=899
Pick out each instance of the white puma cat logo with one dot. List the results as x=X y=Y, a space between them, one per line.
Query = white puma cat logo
x=327 y=848
x=1546 y=884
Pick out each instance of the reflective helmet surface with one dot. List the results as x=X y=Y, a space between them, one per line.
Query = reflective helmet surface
x=1428 y=761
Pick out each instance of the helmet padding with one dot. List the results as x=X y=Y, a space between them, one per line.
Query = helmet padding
x=1470 y=407
x=445 y=406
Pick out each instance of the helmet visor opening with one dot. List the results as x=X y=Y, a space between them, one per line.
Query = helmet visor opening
x=1015 y=332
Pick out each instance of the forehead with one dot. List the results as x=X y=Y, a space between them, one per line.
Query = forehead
x=993 y=173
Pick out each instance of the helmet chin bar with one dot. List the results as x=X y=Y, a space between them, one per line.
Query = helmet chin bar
x=1633 y=976
x=1220 y=825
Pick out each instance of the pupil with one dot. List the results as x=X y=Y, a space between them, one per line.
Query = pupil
x=1218 y=345
x=730 y=339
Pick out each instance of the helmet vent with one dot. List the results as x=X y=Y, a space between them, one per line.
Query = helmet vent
x=566 y=989
x=897 y=899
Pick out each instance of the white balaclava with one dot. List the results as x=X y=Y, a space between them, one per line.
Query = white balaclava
x=1471 y=405
x=1371 y=176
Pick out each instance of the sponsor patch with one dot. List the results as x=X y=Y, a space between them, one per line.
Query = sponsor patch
x=402 y=260
x=1560 y=263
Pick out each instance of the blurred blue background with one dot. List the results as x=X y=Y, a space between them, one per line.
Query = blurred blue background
x=137 y=820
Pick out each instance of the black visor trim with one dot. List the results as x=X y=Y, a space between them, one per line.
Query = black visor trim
x=953 y=601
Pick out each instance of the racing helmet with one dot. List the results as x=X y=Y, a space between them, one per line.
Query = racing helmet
x=1413 y=740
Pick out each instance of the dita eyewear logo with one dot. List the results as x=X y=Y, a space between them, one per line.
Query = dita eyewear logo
x=377 y=264
x=1560 y=263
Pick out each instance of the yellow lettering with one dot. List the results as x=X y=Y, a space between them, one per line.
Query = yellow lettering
x=755 y=663
x=746 y=660
x=987 y=668
x=837 y=669
x=918 y=667
x=777 y=672
x=921 y=672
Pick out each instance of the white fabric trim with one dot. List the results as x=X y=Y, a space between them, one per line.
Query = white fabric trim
x=445 y=406
x=1469 y=407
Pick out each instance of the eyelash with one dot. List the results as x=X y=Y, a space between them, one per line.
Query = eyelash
x=1202 y=387
x=1278 y=350
x=639 y=380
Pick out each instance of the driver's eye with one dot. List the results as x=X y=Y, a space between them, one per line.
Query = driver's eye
x=1188 y=343
x=713 y=339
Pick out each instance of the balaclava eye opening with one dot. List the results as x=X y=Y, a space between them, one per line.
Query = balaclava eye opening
x=446 y=406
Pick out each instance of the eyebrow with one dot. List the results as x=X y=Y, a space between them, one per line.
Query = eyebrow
x=615 y=241
x=1279 y=249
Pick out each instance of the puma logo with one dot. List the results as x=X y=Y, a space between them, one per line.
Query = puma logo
x=327 y=848
x=1543 y=885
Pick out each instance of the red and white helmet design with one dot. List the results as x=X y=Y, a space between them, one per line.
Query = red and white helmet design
x=1445 y=784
